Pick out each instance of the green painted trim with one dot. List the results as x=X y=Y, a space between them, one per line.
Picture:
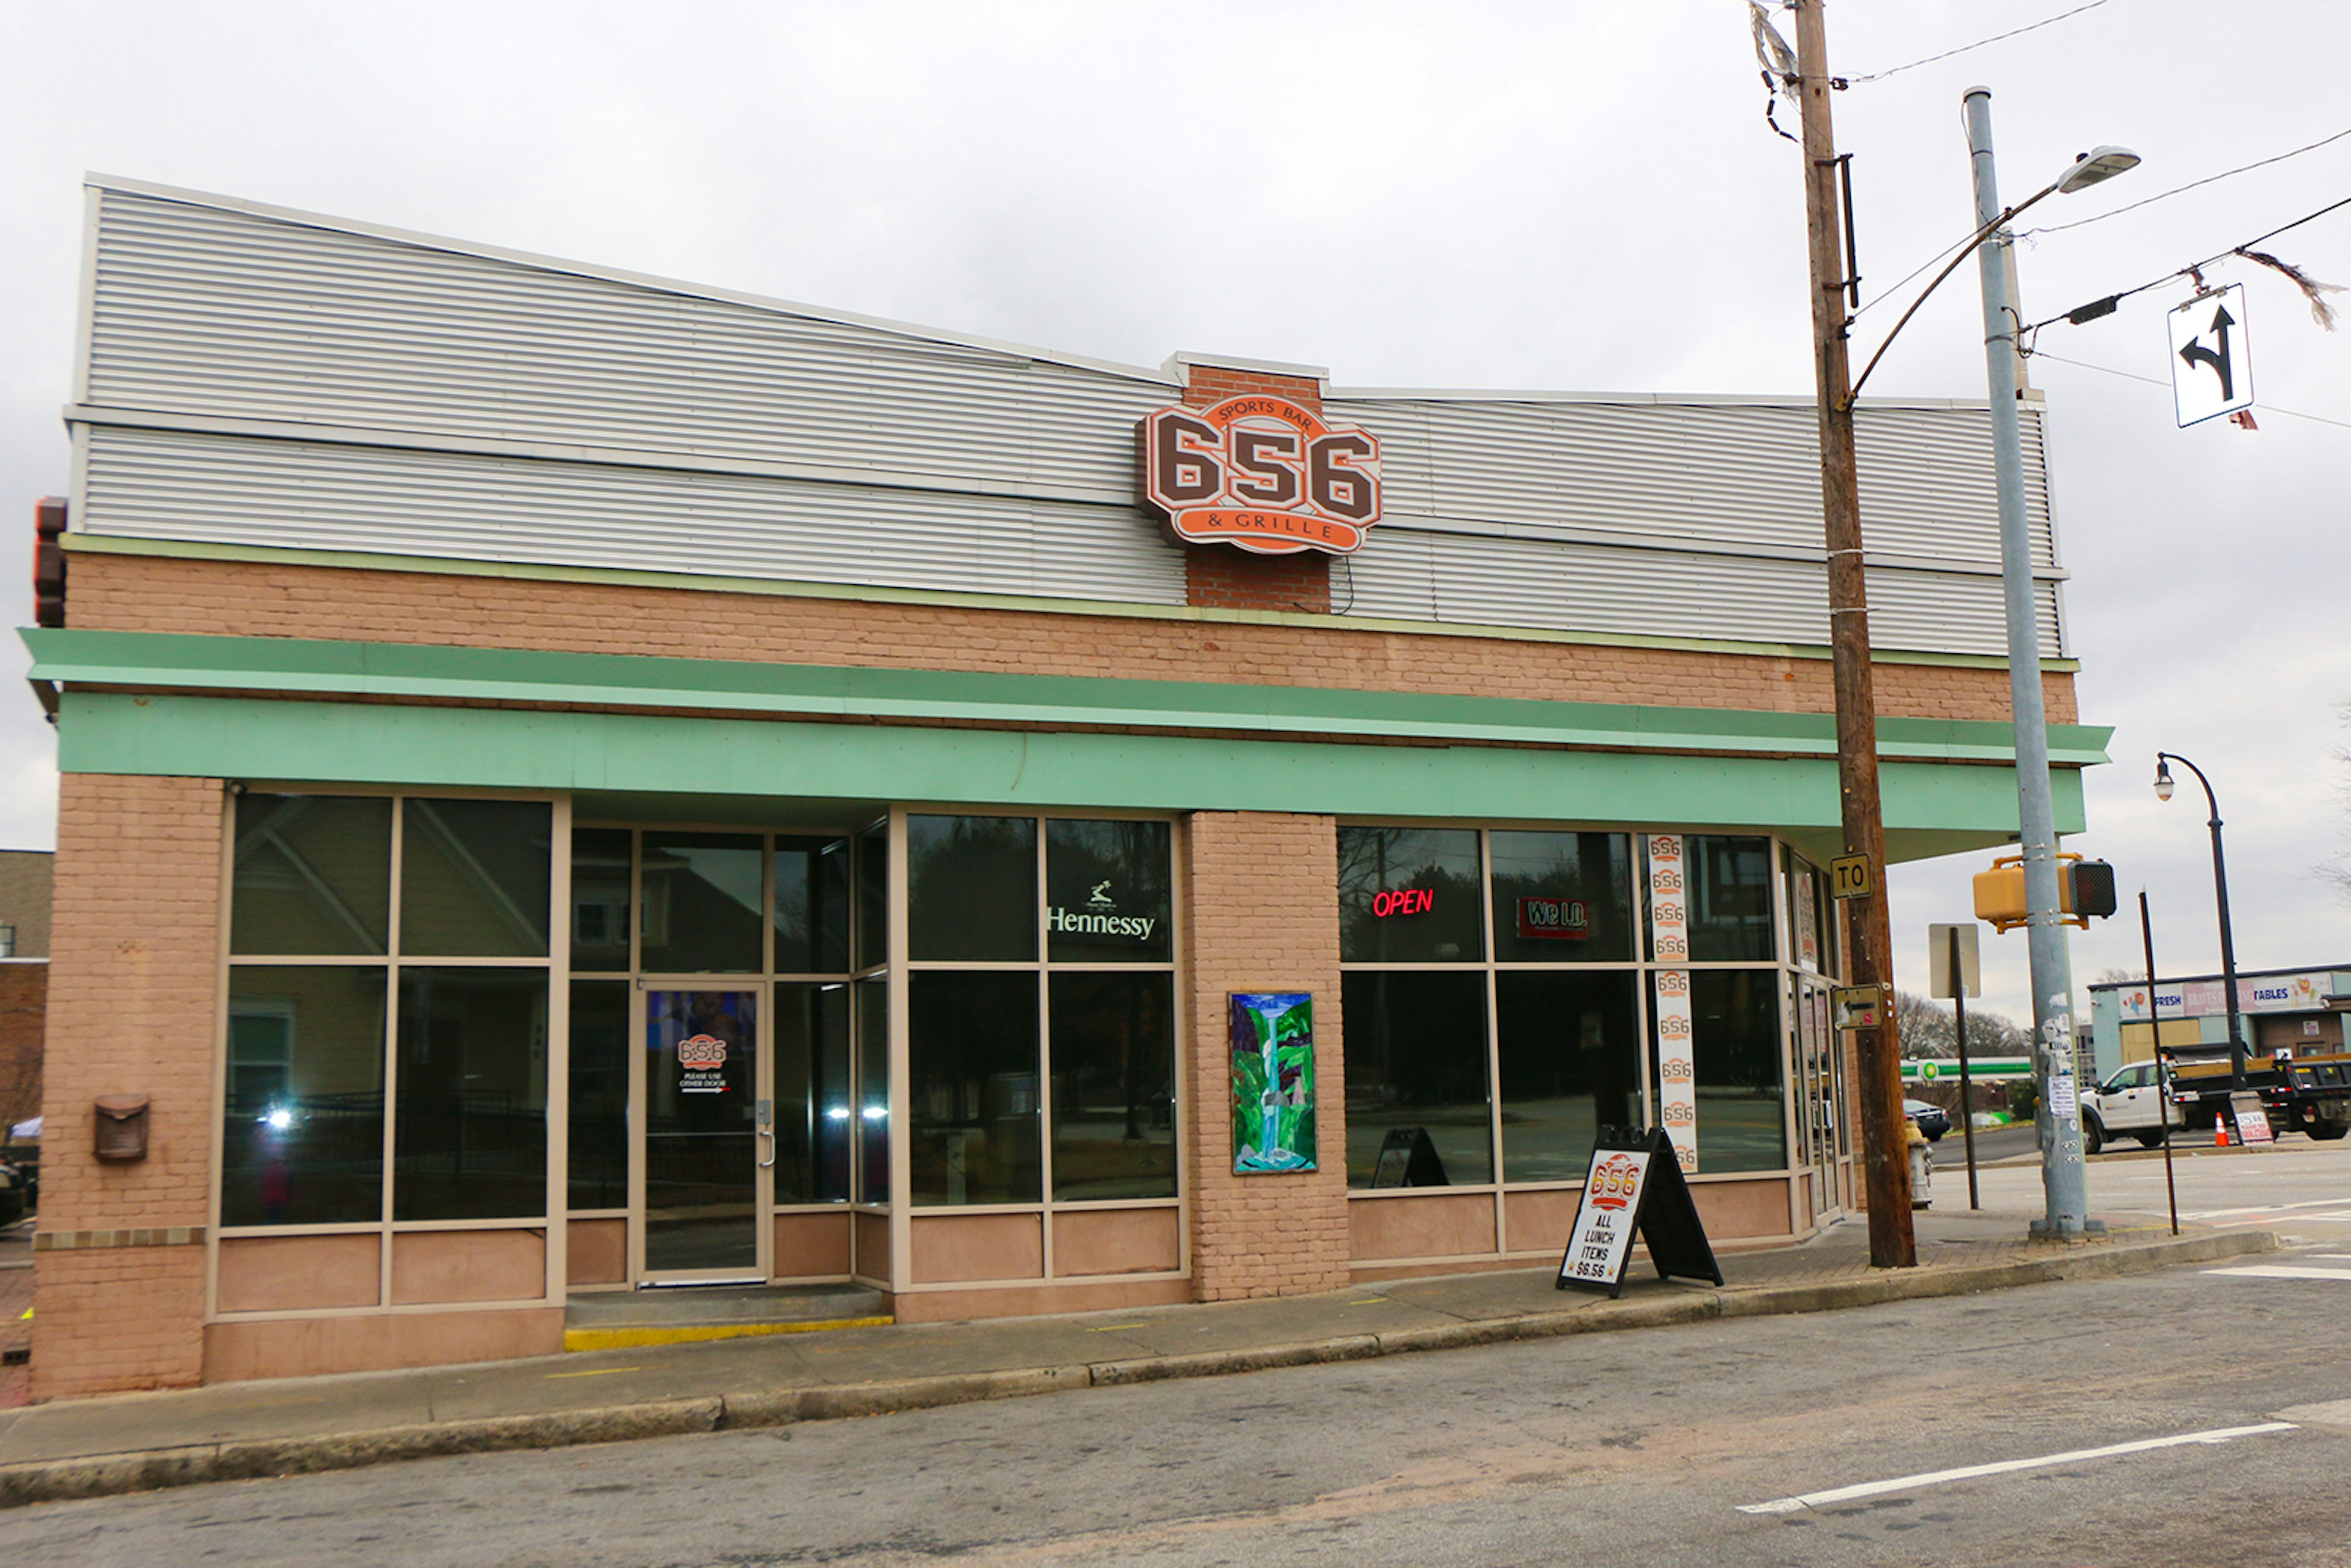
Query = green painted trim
x=416 y=745
x=98 y=544
x=292 y=665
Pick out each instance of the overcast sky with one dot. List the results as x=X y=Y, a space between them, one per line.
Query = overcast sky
x=1559 y=195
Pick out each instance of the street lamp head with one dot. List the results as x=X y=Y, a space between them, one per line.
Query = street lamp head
x=2096 y=166
x=2162 y=780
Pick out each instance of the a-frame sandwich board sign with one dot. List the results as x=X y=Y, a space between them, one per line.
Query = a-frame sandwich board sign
x=1634 y=1185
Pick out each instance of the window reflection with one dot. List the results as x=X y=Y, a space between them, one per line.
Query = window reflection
x=1418 y=1111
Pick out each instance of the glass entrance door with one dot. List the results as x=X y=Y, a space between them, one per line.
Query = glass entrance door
x=1822 y=1086
x=703 y=1176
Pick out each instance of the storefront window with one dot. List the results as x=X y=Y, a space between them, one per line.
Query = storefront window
x=971 y=889
x=1409 y=896
x=1418 y=1110
x=1113 y=1096
x=302 y=1133
x=1562 y=898
x=1570 y=1063
x=1735 y=1045
x=469 y=1139
x=600 y=898
x=1810 y=921
x=701 y=900
x=811 y=906
x=984 y=1067
x=972 y=1086
x=874 y=897
x=474 y=878
x=1602 y=943
x=1107 y=898
x=1730 y=899
x=597 y=1146
x=313 y=876
x=814 y=1124
x=873 y=1095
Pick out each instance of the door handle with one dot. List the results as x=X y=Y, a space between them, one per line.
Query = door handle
x=766 y=1121
x=768 y=1133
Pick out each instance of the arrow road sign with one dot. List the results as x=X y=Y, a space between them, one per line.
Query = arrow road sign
x=2211 y=361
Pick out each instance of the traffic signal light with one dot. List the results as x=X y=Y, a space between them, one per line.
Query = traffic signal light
x=2084 y=888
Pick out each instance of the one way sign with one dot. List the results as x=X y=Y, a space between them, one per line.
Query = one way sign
x=2211 y=363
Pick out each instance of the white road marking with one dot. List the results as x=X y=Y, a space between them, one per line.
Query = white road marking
x=1969 y=1472
x=2333 y=1256
x=2260 y=1208
x=2282 y=1272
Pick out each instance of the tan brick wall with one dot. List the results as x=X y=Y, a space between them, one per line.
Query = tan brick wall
x=107 y=1320
x=1262 y=889
x=133 y=973
x=150 y=593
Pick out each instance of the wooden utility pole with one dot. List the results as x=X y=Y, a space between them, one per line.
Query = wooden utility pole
x=1869 y=945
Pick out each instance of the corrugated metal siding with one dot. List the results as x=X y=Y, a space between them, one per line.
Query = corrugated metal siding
x=1734 y=475
x=215 y=312
x=1407 y=575
x=202 y=310
x=296 y=495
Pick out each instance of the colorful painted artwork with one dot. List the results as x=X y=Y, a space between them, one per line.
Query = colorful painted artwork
x=1271 y=1035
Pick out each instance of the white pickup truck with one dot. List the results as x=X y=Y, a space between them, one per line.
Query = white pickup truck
x=2131 y=1102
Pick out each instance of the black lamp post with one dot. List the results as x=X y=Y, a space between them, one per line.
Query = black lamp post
x=2220 y=892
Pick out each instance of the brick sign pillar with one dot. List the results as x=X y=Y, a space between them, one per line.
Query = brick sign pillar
x=1220 y=577
x=1262 y=895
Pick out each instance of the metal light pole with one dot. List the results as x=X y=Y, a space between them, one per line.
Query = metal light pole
x=2058 y=1116
x=2162 y=1057
x=1893 y=1244
x=2221 y=893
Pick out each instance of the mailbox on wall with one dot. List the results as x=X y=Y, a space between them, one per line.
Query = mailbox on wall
x=122 y=1126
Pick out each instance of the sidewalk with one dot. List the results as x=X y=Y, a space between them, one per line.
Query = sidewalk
x=237 y=1431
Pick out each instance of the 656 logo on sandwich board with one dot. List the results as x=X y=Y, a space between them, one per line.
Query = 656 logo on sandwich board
x=1262 y=473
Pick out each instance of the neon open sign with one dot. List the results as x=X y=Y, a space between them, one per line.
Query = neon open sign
x=1404 y=901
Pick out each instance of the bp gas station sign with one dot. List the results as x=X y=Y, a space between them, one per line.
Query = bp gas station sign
x=1933 y=1070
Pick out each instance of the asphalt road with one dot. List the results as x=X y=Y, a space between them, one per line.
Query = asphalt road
x=1638 y=1448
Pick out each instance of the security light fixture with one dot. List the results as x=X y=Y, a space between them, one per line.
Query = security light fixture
x=2162 y=781
x=2096 y=166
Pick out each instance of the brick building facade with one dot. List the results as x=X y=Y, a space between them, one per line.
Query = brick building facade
x=567 y=827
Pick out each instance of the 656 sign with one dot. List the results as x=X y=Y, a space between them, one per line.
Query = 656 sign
x=1262 y=473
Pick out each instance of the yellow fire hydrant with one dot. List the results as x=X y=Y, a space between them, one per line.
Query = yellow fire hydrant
x=1922 y=1165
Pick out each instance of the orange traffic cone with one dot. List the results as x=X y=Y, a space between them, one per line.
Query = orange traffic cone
x=2220 y=1135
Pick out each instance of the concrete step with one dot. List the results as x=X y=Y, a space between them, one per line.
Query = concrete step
x=683 y=1314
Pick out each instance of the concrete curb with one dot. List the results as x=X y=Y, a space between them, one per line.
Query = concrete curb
x=107 y=1475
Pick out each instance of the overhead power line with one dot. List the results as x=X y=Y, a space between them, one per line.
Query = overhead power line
x=2192 y=184
x=1979 y=43
x=2105 y=307
x=2154 y=382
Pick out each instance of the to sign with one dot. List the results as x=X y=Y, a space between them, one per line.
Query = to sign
x=1849 y=876
x=2211 y=362
x=1262 y=473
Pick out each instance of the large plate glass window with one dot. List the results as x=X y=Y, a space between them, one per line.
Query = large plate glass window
x=1409 y=896
x=1040 y=1072
x=445 y=1015
x=1419 y=1114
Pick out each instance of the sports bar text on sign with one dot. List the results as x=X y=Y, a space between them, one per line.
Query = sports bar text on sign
x=1261 y=473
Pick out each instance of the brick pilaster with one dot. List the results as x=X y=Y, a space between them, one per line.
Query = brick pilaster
x=1262 y=889
x=1225 y=577
x=134 y=955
